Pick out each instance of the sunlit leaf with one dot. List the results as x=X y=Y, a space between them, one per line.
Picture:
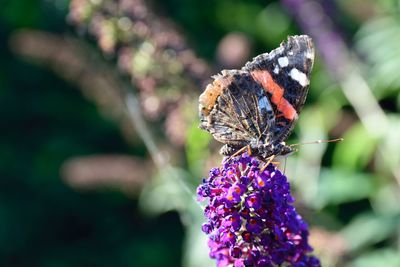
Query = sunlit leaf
x=388 y=159
x=356 y=150
x=378 y=41
x=197 y=147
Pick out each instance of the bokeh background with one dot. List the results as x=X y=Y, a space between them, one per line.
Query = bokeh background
x=100 y=153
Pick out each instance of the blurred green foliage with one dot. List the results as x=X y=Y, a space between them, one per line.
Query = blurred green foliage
x=351 y=189
x=45 y=121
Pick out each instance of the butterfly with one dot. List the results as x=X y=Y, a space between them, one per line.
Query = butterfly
x=257 y=106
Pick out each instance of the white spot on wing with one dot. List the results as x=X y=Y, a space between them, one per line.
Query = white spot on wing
x=283 y=61
x=276 y=69
x=299 y=76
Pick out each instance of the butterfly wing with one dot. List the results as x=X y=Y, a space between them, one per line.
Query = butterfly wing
x=235 y=109
x=284 y=74
x=259 y=104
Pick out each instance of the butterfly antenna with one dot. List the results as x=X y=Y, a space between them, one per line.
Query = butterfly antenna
x=318 y=142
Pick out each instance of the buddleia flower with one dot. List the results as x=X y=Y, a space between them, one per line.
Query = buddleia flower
x=251 y=220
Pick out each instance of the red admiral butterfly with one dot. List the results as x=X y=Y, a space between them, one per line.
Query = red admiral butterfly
x=257 y=106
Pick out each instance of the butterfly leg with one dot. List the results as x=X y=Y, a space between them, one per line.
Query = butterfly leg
x=238 y=152
x=269 y=160
x=241 y=151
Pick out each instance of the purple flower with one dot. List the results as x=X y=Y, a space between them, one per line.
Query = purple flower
x=250 y=219
x=253 y=201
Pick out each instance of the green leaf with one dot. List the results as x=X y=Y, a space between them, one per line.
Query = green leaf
x=378 y=258
x=389 y=156
x=367 y=229
x=270 y=33
x=197 y=147
x=341 y=186
x=244 y=14
x=378 y=41
x=356 y=150
x=386 y=200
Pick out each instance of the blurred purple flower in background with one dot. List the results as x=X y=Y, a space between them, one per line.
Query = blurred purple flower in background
x=251 y=221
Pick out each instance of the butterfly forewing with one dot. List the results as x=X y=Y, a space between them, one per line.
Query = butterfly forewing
x=284 y=74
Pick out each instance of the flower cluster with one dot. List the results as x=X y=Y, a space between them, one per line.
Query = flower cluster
x=251 y=221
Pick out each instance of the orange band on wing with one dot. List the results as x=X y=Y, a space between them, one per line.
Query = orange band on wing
x=265 y=79
x=208 y=98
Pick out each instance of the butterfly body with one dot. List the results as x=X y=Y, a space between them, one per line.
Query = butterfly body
x=257 y=106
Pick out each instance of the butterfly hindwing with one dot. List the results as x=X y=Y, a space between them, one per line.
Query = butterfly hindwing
x=241 y=109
